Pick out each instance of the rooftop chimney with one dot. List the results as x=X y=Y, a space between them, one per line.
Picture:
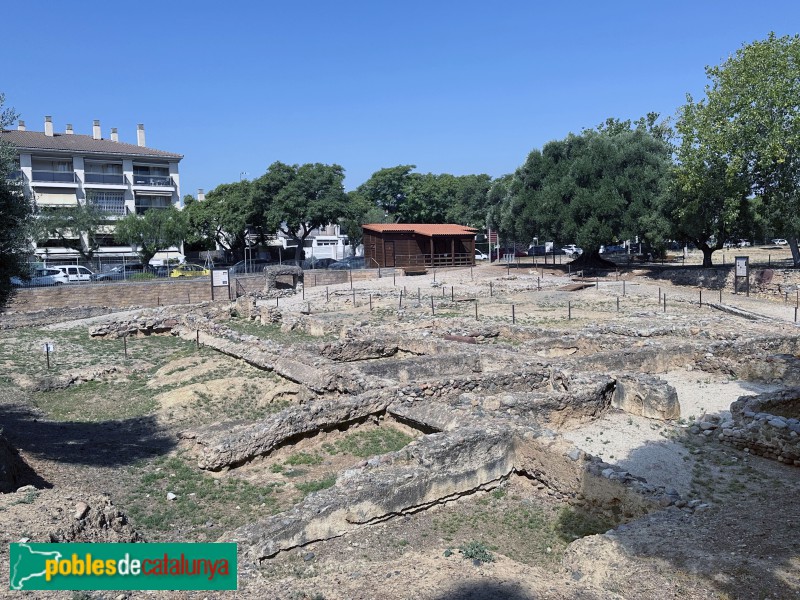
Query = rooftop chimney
x=114 y=135
x=21 y=126
x=96 y=130
x=69 y=129
x=201 y=194
x=140 y=135
x=48 y=126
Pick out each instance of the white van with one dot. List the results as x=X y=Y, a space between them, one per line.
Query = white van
x=336 y=247
x=75 y=273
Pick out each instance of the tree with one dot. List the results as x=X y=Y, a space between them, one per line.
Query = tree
x=603 y=185
x=16 y=210
x=387 y=188
x=295 y=199
x=155 y=230
x=78 y=227
x=360 y=212
x=750 y=120
x=223 y=216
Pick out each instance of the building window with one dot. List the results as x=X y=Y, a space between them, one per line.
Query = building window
x=151 y=175
x=60 y=171
x=109 y=202
x=108 y=173
x=145 y=203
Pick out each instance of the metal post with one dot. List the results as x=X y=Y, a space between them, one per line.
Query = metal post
x=491 y=291
x=315 y=280
x=665 y=303
x=701 y=298
x=327 y=294
x=442 y=291
x=394 y=277
x=569 y=309
x=476 y=309
x=433 y=309
x=351 y=279
x=596 y=283
x=419 y=296
x=508 y=268
x=513 y=315
x=370 y=302
x=659 y=295
x=538 y=283
x=401 y=299
x=47 y=345
x=304 y=291
x=309 y=307
x=452 y=294
x=795 y=319
x=720 y=295
x=277 y=299
x=623 y=287
x=354 y=298
x=617 y=303
x=196 y=338
x=434 y=275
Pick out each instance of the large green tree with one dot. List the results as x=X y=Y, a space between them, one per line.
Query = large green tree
x=295 y=199
x=223 y=216
x=750 y=120
x=77 y=227
x=603 y=185
x=16 y=211
x=157 y=229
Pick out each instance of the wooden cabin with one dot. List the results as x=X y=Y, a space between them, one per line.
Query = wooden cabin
x=418 y=245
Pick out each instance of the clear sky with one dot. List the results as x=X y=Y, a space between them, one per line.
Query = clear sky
x=451 y=86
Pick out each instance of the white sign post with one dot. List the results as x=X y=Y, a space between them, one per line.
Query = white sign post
x=743 y=271
x=219 y=278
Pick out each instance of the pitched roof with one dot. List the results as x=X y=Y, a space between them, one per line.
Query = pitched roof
x=76 y=143
x=426 y=229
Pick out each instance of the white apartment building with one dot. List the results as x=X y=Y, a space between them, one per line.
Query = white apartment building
x=59 y=170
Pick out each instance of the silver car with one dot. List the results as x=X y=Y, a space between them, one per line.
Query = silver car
x=41 y=277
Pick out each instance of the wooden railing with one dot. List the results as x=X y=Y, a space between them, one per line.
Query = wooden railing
x=434 y=260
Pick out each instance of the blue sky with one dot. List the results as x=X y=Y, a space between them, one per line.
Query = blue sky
x=452 y=87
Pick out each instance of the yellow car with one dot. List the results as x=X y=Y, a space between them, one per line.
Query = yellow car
x=189 y=270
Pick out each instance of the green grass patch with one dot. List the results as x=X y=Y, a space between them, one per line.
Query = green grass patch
x=314 y=486
x=304 y=458
x=370 y=443
x=203 y=503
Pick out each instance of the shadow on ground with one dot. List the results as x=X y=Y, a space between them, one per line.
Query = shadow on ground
x=485 y=590
x=745 y=544
x=102 y=444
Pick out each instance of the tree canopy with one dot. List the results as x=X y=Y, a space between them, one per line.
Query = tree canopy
x=749 y=122
x=295 y=199
x=603 y=185
x=223 y=216
x=16 y=210
x=77 y=227
x=155 y=230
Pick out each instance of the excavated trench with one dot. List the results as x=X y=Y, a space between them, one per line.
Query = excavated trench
x=477 y=416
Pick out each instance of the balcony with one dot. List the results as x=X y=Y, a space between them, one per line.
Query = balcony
x=104 y=178
x=153 y=180
x=54 y=176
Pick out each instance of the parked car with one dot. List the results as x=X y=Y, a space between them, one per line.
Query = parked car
x=189 y=270
x=255 y=265
x=350 y=262
x=780 y=242
x=614 y=249
x=743 y=244
x=480 y=255
x=75 y=273
x=41 y=277
x=572 y=250
x=121 y=272
x=317 y=263
x=499 y=253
